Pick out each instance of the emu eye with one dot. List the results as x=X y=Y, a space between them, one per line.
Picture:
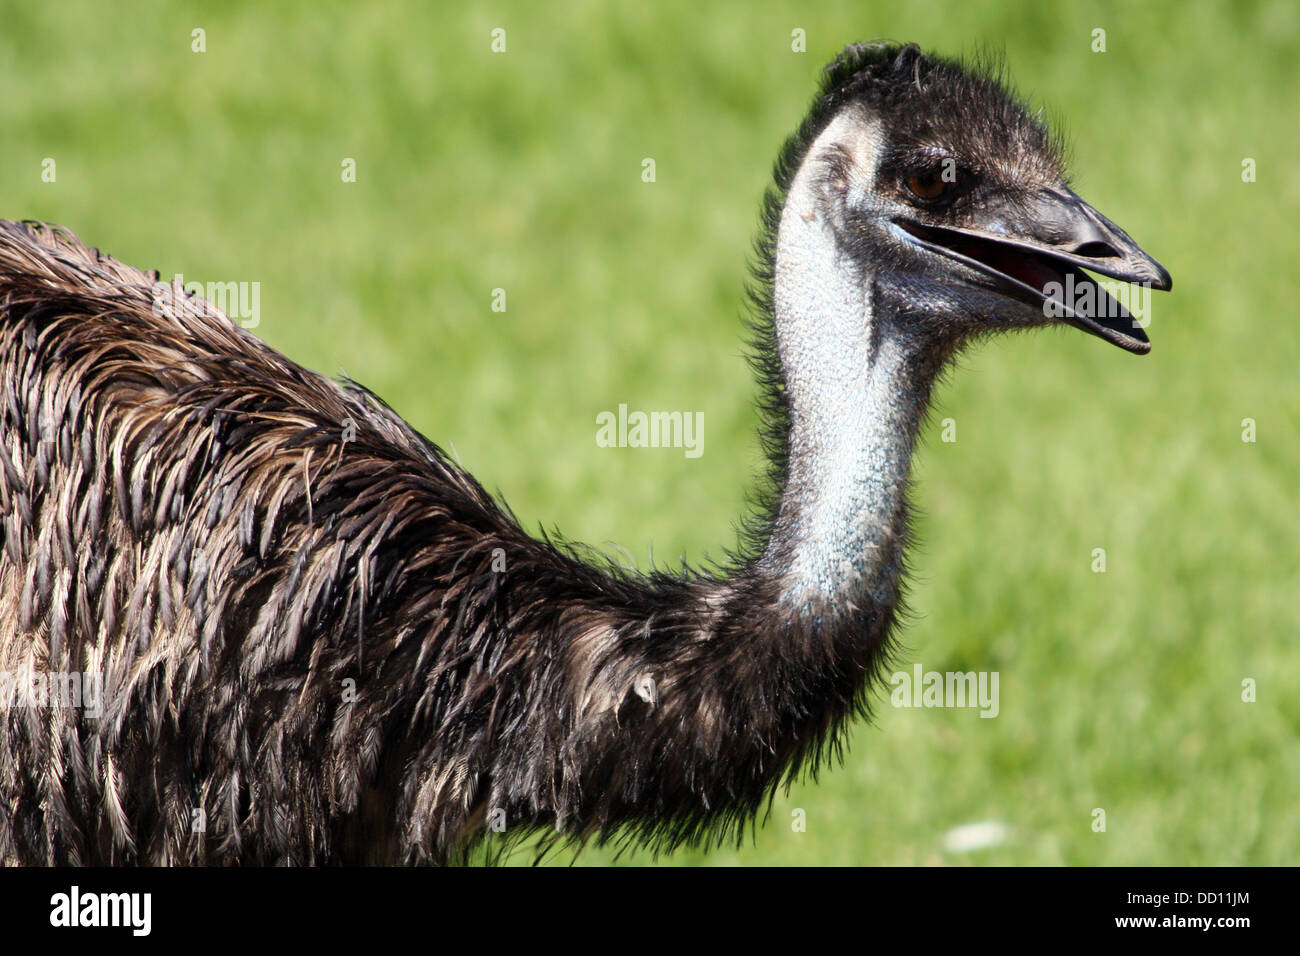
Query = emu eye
x=929 y=185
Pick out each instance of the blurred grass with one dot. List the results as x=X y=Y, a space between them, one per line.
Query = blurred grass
x=522 y=171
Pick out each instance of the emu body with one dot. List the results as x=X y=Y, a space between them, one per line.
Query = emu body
x=320 y=641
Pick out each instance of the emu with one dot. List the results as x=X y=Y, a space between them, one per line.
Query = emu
x=317 y=640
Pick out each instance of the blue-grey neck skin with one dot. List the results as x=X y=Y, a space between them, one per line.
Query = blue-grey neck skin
x=857 y=386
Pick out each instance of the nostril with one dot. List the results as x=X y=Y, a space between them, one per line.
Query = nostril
x=1096 y=250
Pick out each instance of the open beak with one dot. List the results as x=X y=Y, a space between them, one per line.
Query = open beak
x=1037 y=252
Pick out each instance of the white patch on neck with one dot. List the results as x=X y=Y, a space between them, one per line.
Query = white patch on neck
x=854 y=407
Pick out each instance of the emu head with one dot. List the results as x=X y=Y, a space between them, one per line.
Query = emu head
x=931 y=179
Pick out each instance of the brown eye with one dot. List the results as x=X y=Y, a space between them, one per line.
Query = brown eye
x=929 y=185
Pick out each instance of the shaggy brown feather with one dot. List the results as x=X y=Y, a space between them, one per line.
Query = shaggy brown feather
x=303 y=640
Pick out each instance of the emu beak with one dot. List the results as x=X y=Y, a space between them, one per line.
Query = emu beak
x=1036 y=252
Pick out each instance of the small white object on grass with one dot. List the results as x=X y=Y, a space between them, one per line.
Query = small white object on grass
x=975 y=836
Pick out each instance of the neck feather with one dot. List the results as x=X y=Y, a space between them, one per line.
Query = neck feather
x=857 y=386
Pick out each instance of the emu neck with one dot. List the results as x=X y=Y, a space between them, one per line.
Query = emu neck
x=857 y=385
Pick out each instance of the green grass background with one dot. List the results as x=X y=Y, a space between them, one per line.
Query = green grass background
x=522 y=171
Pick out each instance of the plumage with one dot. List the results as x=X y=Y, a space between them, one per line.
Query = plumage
x=321 y=641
